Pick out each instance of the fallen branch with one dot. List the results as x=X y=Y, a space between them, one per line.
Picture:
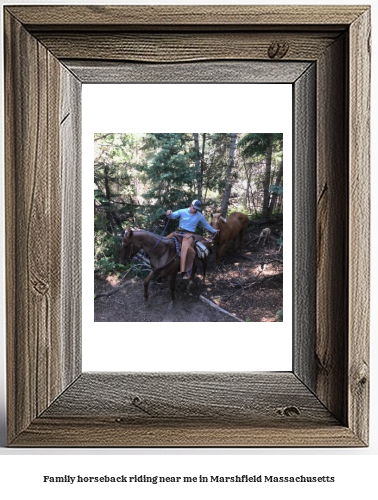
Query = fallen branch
x=211 y=303
x=255 y=282
x=266 y=278
x=115 y=290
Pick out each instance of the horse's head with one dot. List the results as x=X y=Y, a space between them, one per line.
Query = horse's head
x=129 y=247
x=217 y=220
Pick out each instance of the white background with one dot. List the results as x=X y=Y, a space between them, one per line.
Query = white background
x=21 y=471
x=185 y=346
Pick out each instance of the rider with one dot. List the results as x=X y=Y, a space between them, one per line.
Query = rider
x=189 y=218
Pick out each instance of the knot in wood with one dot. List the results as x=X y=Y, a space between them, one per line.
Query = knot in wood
x=140 y=404
x=278 y=50
x=363 y=381
x=41 y=287
x=288 y=411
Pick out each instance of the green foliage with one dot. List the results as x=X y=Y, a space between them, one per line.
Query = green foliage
x=115 y=175
x=238 y=208
x=256 y=145
x=279 y=315
x=170 y=171
x=216 y=158
x=106 y=266
x=137 y=177
x=99 y=196
x=107 y=252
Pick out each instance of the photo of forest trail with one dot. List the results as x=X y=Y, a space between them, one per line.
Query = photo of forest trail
x=138 y=177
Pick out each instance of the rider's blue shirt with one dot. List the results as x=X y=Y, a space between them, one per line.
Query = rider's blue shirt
x=189 y=221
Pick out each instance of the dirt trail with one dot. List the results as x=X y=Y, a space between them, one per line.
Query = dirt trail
x=248 y=285
x=129 y=304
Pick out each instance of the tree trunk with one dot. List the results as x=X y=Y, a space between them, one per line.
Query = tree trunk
x=109 y=226
x=113 y=219
x=230 y=166
x=266 y=185
x=273 y=201
x=198 y=167
x=248 y=191
x=253 y=203
x=202 y=166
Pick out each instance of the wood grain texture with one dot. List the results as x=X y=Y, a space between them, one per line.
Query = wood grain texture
x=180 y=47
x=324 y=402
x=100 y=432
x=332 y=229
x=219 y=396
x=70 y=161
x=359 y=226
x=33 y=228
x=33 y=190
x=184 y=16
x=193 y=409
x=199 y=72
x=304 y=203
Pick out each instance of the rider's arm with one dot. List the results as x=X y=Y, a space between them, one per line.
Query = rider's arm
x=173 y=215
x=207 y=226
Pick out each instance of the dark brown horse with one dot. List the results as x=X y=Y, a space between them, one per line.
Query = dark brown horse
x=164 y=258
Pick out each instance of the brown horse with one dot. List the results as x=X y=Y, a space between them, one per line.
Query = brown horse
x=232 y=228
x=164 y=258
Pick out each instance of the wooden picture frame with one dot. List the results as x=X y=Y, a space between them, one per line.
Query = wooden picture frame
x=49 y=52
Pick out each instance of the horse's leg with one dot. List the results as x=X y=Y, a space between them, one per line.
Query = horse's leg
x=238 y=241
x=216 y=248
x=221 y=252
x=194 y=269
x=204 y=267
x=147 y=282
x=234 y=241
x=241 y=237
x=172 y=286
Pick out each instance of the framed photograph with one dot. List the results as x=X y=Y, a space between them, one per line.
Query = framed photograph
x=138 y=176
x=323 y=52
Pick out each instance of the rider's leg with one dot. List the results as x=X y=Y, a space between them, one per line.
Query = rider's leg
x=187 y=253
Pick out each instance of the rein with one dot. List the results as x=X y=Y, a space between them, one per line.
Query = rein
x=174 y=257
x=162 y=234
x=213 y=237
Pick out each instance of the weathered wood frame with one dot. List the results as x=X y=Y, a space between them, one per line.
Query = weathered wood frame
x=49 y=53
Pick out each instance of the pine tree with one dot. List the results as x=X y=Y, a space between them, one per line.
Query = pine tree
x=170 y=171
x=262 y=145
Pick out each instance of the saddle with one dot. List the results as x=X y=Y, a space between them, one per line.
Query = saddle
x=202 y=251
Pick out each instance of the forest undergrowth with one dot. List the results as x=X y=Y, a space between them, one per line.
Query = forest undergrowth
x=247 y=285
